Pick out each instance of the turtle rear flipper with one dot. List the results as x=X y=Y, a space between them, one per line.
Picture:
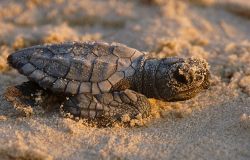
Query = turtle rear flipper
x=113 y=105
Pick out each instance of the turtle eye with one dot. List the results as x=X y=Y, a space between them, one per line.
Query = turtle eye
x=181 y=78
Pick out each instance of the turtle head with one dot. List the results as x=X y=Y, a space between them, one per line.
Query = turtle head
x=180 y=79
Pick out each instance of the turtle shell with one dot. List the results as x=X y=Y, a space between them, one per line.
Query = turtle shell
x=76 y=67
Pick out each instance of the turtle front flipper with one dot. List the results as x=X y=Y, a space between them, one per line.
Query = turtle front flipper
x=108 y=105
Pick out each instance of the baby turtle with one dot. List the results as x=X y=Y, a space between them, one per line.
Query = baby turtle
x=109 y=80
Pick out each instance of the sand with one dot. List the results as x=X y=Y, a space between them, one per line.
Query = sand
x=213 y=125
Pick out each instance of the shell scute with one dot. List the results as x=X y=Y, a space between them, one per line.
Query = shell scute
x=102 y=70
x=36 y=75
x=101 y=49
x=85 y=87
x=61 y=48
x=47 y=82
x=27 y=69
x=95 y=89
x=123 y=64
x=123 y=51
x=80 y=70
x=59 y=85
x=58 y=67
x=72 y=87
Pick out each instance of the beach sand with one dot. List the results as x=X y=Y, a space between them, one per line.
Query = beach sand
x=213 y=125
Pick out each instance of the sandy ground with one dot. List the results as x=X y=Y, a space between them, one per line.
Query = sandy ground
x=213 y=125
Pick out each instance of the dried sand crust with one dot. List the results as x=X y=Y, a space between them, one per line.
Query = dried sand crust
x=213 y=125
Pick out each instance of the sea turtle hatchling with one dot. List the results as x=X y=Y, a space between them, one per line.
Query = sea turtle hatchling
x=109 y=80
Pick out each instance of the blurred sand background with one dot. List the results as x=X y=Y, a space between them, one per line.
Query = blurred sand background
x=213 y=125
